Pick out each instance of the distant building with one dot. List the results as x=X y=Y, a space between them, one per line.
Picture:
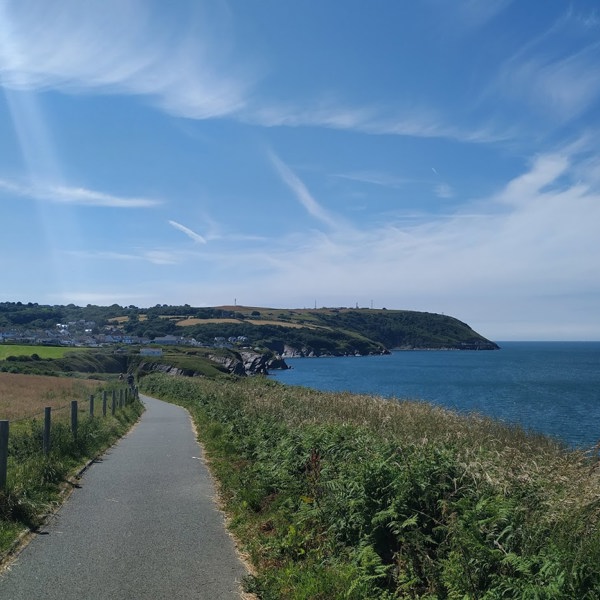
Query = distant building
x=151 y=352
x=169 y=340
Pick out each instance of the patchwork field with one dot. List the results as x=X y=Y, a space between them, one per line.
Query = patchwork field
x=124 y=319
x=188 y=322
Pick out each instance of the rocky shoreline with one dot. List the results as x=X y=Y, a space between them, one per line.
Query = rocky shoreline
x=244 y=363
x=291 y=352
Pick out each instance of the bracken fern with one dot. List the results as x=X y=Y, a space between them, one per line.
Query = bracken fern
x=349 y=496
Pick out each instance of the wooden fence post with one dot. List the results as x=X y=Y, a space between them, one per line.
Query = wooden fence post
x=104 y=403
x=91 y=405
x=74 y=418
x=113 y=408
x=3 y=453
x=47 y=421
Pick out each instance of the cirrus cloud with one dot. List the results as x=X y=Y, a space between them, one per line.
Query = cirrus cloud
x=120 y=46
x=74 y=195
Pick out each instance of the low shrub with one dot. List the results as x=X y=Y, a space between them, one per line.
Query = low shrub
x=345 y=496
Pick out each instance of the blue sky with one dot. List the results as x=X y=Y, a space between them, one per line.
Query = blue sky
x=433 y=155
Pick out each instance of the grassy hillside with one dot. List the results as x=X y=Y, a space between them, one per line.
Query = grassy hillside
x=325 y=331
x=41 y=360
x=207 y=362
x=109 y=362
x=337 y=331
x=345 y=496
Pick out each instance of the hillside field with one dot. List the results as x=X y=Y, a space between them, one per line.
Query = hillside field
x=7 y=350
x=194 y=321
x=25 y=396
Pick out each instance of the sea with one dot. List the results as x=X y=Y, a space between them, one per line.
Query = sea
x=548 y=387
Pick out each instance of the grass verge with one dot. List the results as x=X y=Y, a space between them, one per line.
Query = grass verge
x=36 y=482
x=346 y=496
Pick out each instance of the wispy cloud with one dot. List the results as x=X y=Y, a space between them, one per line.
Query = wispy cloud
x=535 y=238
x=565 y=88
x=153 y=256
x=478 y=12
x=87 y=197
x=590 y=20
x=161 y=257
x=332 y=115
x=302 y=194
x=74 y=195
x=103 y=255
x=196 y=237
x=443 y=190
x=378 y=178
x=122 y=46
x=371 y=120
x=555 y=72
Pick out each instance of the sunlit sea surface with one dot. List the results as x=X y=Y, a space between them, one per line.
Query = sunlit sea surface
x=551 y=387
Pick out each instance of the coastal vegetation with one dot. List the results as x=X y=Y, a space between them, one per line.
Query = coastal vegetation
x=73 y=362
x=304 y=332
x=334 y=495
x=340 y=331
x=37 y=482
x=104 y=363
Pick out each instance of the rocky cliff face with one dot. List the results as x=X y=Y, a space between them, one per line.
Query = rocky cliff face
x=241 y=364
x=249 y=362
x=288 y=351
x=146 y=367
x=231 y=363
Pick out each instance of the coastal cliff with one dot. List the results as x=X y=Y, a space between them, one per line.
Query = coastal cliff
x=335 y=331
x=191 y=364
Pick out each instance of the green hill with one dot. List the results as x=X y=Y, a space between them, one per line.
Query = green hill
x=307 y=332
x=290 y=332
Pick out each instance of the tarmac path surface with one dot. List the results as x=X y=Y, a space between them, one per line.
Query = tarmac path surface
x=143 y=526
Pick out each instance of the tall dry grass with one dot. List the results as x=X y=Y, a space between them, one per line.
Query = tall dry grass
x=26 y=396
x=491 y=451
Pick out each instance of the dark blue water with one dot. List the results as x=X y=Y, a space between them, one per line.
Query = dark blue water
x=550 y=387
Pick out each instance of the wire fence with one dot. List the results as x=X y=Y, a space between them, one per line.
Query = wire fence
x=94 y=406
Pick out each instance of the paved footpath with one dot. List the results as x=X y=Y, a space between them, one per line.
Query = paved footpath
x=143 y=526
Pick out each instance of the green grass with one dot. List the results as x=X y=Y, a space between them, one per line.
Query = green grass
x=190 y=360
x=345 y=496
x=196 y=364
x=35 y=482
x=7 y=350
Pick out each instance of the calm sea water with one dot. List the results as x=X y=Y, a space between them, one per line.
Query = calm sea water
x=551 y=387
